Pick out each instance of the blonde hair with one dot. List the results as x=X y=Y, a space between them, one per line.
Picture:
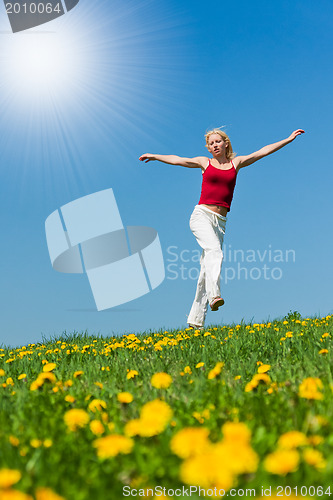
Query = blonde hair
x=229 y=152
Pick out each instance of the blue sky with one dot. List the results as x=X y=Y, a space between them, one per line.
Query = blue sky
x=153 y=76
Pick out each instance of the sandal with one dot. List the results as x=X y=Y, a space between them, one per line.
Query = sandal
x=216 y=303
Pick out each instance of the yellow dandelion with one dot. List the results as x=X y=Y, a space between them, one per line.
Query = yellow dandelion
x=104 y=417
x=125 y=397
x=22 y=376
x=272 y=388
x=47 y=443
x=216 y=370
x=46 y=377
x=14 y=441
x=133 y=427
x=99 y=384
x=256 y=380
x=154 y=409
x=131 y=374
x=314 y=458
x=76 y=418
x=261 y=377
x=190 y=441
x=2 y=372
x=8 y=477
x=292 y=439
x=315 y=440
x=199 y=365
x=282 y=462
x=310 y=388
x=36 y=384
x=97 y=405
x=111 y=446
x=78 y=373
x=69 y=398
x=154 y=417
x=242 y=459
x=207 y=470
x=47 y=494
x=96 y=427
x=198 y=416
x=237 y=432
x=250 y=386
x=188 y=370
x=48 y=367
x=264 y=368
x=36 y=443
x=23 y=451
x=323 y=351
x=161 y=380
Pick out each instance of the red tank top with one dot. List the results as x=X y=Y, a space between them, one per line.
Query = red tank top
x=218 y=186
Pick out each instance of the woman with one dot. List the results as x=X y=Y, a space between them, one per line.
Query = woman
x=209 y=217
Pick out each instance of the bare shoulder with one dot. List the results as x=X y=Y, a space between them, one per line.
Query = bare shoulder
x=199 y=161
x=238 y=162
x=202 y=162
x=196 y=162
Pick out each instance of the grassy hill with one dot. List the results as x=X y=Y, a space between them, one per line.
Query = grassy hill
x=230 y=408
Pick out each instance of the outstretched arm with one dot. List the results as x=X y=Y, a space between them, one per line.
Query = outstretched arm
x=244 y=161
x=197 y=162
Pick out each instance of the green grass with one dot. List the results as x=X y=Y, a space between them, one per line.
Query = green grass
x=70 y=465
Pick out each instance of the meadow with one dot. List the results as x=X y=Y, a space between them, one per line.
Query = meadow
x=235 y=410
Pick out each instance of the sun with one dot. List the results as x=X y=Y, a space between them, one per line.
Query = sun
x=39 y=63
x=42 y=64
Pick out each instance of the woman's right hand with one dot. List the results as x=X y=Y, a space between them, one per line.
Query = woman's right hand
x=295 y=134
x=147 y=157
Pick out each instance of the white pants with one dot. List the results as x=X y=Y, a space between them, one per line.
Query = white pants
x=209 y=228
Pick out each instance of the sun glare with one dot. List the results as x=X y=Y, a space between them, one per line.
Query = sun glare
x=38 y=64
x=42 y=65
